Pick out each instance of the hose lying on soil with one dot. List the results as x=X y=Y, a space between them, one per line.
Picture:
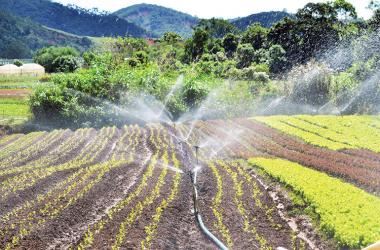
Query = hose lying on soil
x=198 y=216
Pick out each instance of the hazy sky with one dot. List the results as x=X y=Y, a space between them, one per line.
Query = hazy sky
x=215 y=8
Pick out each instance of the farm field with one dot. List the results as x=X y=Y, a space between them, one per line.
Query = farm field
x=131 y=187
x=14 y=94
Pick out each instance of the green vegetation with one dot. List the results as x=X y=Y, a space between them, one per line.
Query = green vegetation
x=220 y=60
x=266 y=19
x=16 y=43
x=336 y=133
x=71 y=19
x=347 y=213
x=18 y=82
x=58 y=59
x=158 y=20
x=10 y=107
x=14 y=104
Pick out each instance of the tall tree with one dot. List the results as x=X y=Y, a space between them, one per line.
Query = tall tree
x=230 y=43
x=217 y=27
x=316 y=28
x=256 y=35
x=196 y=46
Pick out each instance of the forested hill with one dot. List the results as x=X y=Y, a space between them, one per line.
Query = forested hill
x=266 y=19
x=72 y=19
x=20 y=37
x=158 y=20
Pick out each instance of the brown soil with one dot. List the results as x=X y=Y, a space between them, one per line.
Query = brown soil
x=177 y=227
x=14 y=93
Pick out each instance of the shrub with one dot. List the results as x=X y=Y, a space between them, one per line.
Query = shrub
x=220 y=56
x=141 y=56
x=195 y=91
x=133 y=62
x=18 y=63
x=46 y=56
x=309 y=84
x=65 y=64
x=45 y=78
x=277 y=59
x=171 y=38
x=245 y=55
x=261 y=68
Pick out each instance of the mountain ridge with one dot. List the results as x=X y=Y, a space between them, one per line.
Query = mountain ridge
x=15 y=31
x=72 y=19
x=158 y=19
x=266 y=19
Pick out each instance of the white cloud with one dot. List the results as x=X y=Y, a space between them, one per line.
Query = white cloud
x=215 y=8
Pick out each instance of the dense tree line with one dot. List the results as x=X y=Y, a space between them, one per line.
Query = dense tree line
x=323 y=55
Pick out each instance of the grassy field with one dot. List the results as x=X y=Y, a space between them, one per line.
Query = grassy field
x=18 y=82
x=14 y=94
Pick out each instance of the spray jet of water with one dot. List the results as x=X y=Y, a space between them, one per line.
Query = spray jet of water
x=177 y=86
x=205 y=109
x=367 y=90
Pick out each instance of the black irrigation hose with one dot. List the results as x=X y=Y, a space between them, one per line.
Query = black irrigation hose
x=198 y=216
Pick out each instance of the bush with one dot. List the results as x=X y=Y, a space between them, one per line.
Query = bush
x=261 y=68
x=195 y=90
x=46 y=56
x=133 y=62
x=277 y=59
x=45 y=78
x=171 y=38
x=141 y=56
x=18 y=63
x=244 y=55
x=47 y=102
x=65 y=64
x=310 y=84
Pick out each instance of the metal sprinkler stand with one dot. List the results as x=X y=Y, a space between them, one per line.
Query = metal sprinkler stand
x=198 y=217
x=196 y=147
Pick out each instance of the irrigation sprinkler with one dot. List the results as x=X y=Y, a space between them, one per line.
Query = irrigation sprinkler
x=196 y=147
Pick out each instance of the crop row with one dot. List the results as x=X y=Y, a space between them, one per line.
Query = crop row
x=21 y=221
x=266 y=141
x=4 y=140
x=30 y=178
x=358 y=132
x=38 y=148
x=240 y=207
x=347 y=213
x=20 y=143
x=64 y=151
x=96 y=230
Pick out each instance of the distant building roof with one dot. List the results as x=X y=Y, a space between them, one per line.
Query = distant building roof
x=32 y=66
x=9 y=69
x=26 y=69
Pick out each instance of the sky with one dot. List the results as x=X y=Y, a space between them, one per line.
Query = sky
x=215 y=8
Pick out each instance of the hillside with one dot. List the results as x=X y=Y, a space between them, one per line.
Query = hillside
x=72 y=19
x=267 y=19
x=19 y=37
x=158 y=20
